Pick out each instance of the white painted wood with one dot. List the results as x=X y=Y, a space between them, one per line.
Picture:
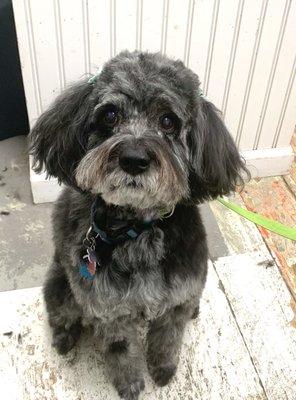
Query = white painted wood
x=175 y=38
x=261 y=303
x=214 y=361
x=227 y=23
x=44 y=190
x=280 y=83
x=263 y=80
x=269 y=162
x=99 y=33
x=201 y=29
x=74 y=43
x=126 y=25
x=286 y=127
x=27 y=59
x=44 y=42
x=240 y=66
x=151 y=25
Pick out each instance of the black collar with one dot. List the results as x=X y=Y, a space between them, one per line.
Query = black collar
x=117 y=232
x=120 y=230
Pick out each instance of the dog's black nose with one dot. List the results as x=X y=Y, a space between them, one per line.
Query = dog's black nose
x=134 y=161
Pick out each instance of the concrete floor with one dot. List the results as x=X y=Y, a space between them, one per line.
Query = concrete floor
x=25 y=232
x=25 y=228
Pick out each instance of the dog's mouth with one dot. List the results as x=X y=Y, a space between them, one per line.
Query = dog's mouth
x=135 y=185
x=130 y=183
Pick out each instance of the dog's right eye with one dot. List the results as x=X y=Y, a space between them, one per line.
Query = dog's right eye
x=110 y=117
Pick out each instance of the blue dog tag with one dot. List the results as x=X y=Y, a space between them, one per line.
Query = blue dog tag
x=85 y=271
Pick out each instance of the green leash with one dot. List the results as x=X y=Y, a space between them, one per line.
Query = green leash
x=273 y=226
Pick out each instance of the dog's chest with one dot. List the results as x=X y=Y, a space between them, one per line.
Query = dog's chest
x=133 y=296
x=133 y=282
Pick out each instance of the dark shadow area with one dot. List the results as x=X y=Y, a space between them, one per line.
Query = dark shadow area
x=13 y=111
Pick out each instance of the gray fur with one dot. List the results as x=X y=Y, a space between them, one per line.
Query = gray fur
x=160 y=275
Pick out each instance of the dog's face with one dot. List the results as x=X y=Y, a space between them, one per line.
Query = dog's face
x=140 y=135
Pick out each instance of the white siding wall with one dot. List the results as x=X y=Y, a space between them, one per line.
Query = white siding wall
x=243 y=50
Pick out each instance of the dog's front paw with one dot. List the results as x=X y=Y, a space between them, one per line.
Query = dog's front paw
x=65 y=339
x=132 y=390
x=162 y=374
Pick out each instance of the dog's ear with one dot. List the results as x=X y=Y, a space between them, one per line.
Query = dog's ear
x=57 y=141
x=216 y=166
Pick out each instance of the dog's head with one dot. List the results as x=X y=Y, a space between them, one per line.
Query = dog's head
x=139 y=135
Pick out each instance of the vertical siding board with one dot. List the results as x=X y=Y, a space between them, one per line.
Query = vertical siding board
x=232 y=56
x=112 y=28
x=246 y=39
x=224 y=50
x=99 y=33
x=164 y=26
x=59 y=44
x=282 y=74
x=23 y=38
x=73 y=39
x=33 y=56
x=263 y=74
x=284 y=105
x=271 y=75
x=85 y=21
x=177 y=28
x=211 y=46
x=152 y=25
x=251 y=73
x=126 y=23
x=201 y=29
x=45 y=52
x=139 y=27
x=288 y=123
x=189 y=25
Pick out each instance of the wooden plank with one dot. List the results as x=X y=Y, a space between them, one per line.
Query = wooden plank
x=272 y=198
x=214 y=361
x=241 y=236
x=264 y=311
x=263 y=306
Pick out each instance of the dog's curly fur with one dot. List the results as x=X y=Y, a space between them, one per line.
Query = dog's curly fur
x=161 y=274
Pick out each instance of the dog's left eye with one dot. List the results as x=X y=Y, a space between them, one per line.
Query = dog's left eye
x=110 y=117
x=168 y=123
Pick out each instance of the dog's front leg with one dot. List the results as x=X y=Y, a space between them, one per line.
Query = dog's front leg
x=123 y=357
x=64 y=314
x=164 y=341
